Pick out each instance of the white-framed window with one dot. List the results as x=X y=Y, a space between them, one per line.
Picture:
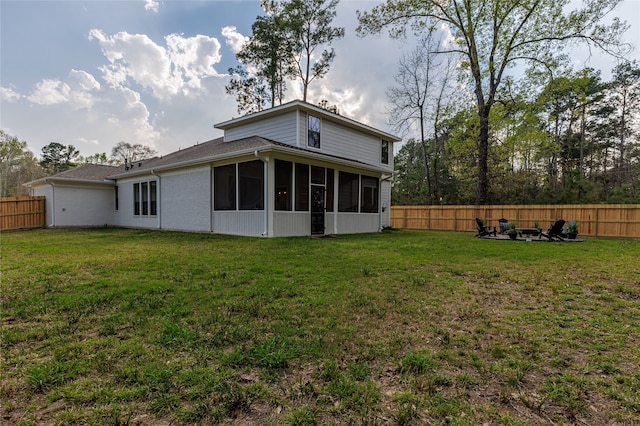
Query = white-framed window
x=145 y=198
x=313 y=131
x=384 y=154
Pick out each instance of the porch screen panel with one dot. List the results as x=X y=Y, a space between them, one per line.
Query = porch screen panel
x=283 y=179
x=251 y=185
x=224 y=188
x=330 y=191
x=302 y=187
x=369 y=195
x=348 y=185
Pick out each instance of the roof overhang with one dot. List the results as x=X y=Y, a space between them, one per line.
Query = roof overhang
x=68 y=181
x=292 y=151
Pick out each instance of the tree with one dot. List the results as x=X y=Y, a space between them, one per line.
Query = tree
x=409 y=186
x=98 y=158
x=57 y=157
x=308 y=24
x=125 y=152
x=626 y=98
x=422 y=83
x=495 y=35
x=250 y=92
x=270 y=52
x=17 y=166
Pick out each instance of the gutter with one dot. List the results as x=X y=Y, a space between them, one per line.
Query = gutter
x=293 y=151
x=266 y=192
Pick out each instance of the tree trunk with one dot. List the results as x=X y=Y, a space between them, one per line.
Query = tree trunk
x=483 y=155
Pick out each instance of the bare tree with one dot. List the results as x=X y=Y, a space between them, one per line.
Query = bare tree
x=125 y=152
x=418 y=101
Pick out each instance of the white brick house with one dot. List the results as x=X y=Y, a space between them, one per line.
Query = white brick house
x=295 y=169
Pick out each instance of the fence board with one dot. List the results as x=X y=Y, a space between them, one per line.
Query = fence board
x=596 y=220
x=22 y=213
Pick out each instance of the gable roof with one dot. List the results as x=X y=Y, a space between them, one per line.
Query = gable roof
x=88 y=173
x=310 y=108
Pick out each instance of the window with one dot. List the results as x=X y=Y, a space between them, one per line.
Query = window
x=302 y=187
x=251 y=185
x=317 y=175
x=153 y=203
x=384 y=159
x=224 y=178
x=329 y=198
x=283 y=179
x=313 y=132
x=136 y=199
x=117 y=201
x=144 y=198
x=369 y=195
x=348 y=192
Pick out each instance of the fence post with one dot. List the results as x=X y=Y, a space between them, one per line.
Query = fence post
x=404 y=218
x=595 y=226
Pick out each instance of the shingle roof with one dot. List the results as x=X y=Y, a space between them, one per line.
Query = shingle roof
x=97 y=172
x=205 y=150
x=202 y=152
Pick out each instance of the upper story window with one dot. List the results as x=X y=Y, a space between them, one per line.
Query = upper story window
x=313 y=131
x=384 y=157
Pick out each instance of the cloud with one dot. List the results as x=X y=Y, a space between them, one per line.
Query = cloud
x=151 y=6
x=9 y=95
x=50 y=92
x=177 y=69
x=234 y=39
x=76 y=93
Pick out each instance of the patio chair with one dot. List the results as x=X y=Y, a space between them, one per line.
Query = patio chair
x=483 y=230
x=555 y=231
x=504 y=225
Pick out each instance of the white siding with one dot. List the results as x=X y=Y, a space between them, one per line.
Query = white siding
x=385 y=203
x=291 y=224
x=246 y=223
x=78 y=205
x=281 y=128
x=124 y=215
x=354 y=223
x=47 y=191
x=185 y=200
x=341 y=141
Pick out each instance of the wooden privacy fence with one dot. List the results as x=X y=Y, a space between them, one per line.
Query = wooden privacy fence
x=596 y=220
x=22 y=212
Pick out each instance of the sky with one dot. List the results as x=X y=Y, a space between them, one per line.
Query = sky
x=94 y=73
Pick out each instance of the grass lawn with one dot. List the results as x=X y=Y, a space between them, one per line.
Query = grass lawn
x=116 y=327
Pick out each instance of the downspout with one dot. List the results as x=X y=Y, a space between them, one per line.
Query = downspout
x=383 y=179
x=266 y=192
x=158 y=192
x=53 y=202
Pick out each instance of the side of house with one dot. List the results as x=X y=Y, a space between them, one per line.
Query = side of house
x=78 y=197
x=292 y=170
